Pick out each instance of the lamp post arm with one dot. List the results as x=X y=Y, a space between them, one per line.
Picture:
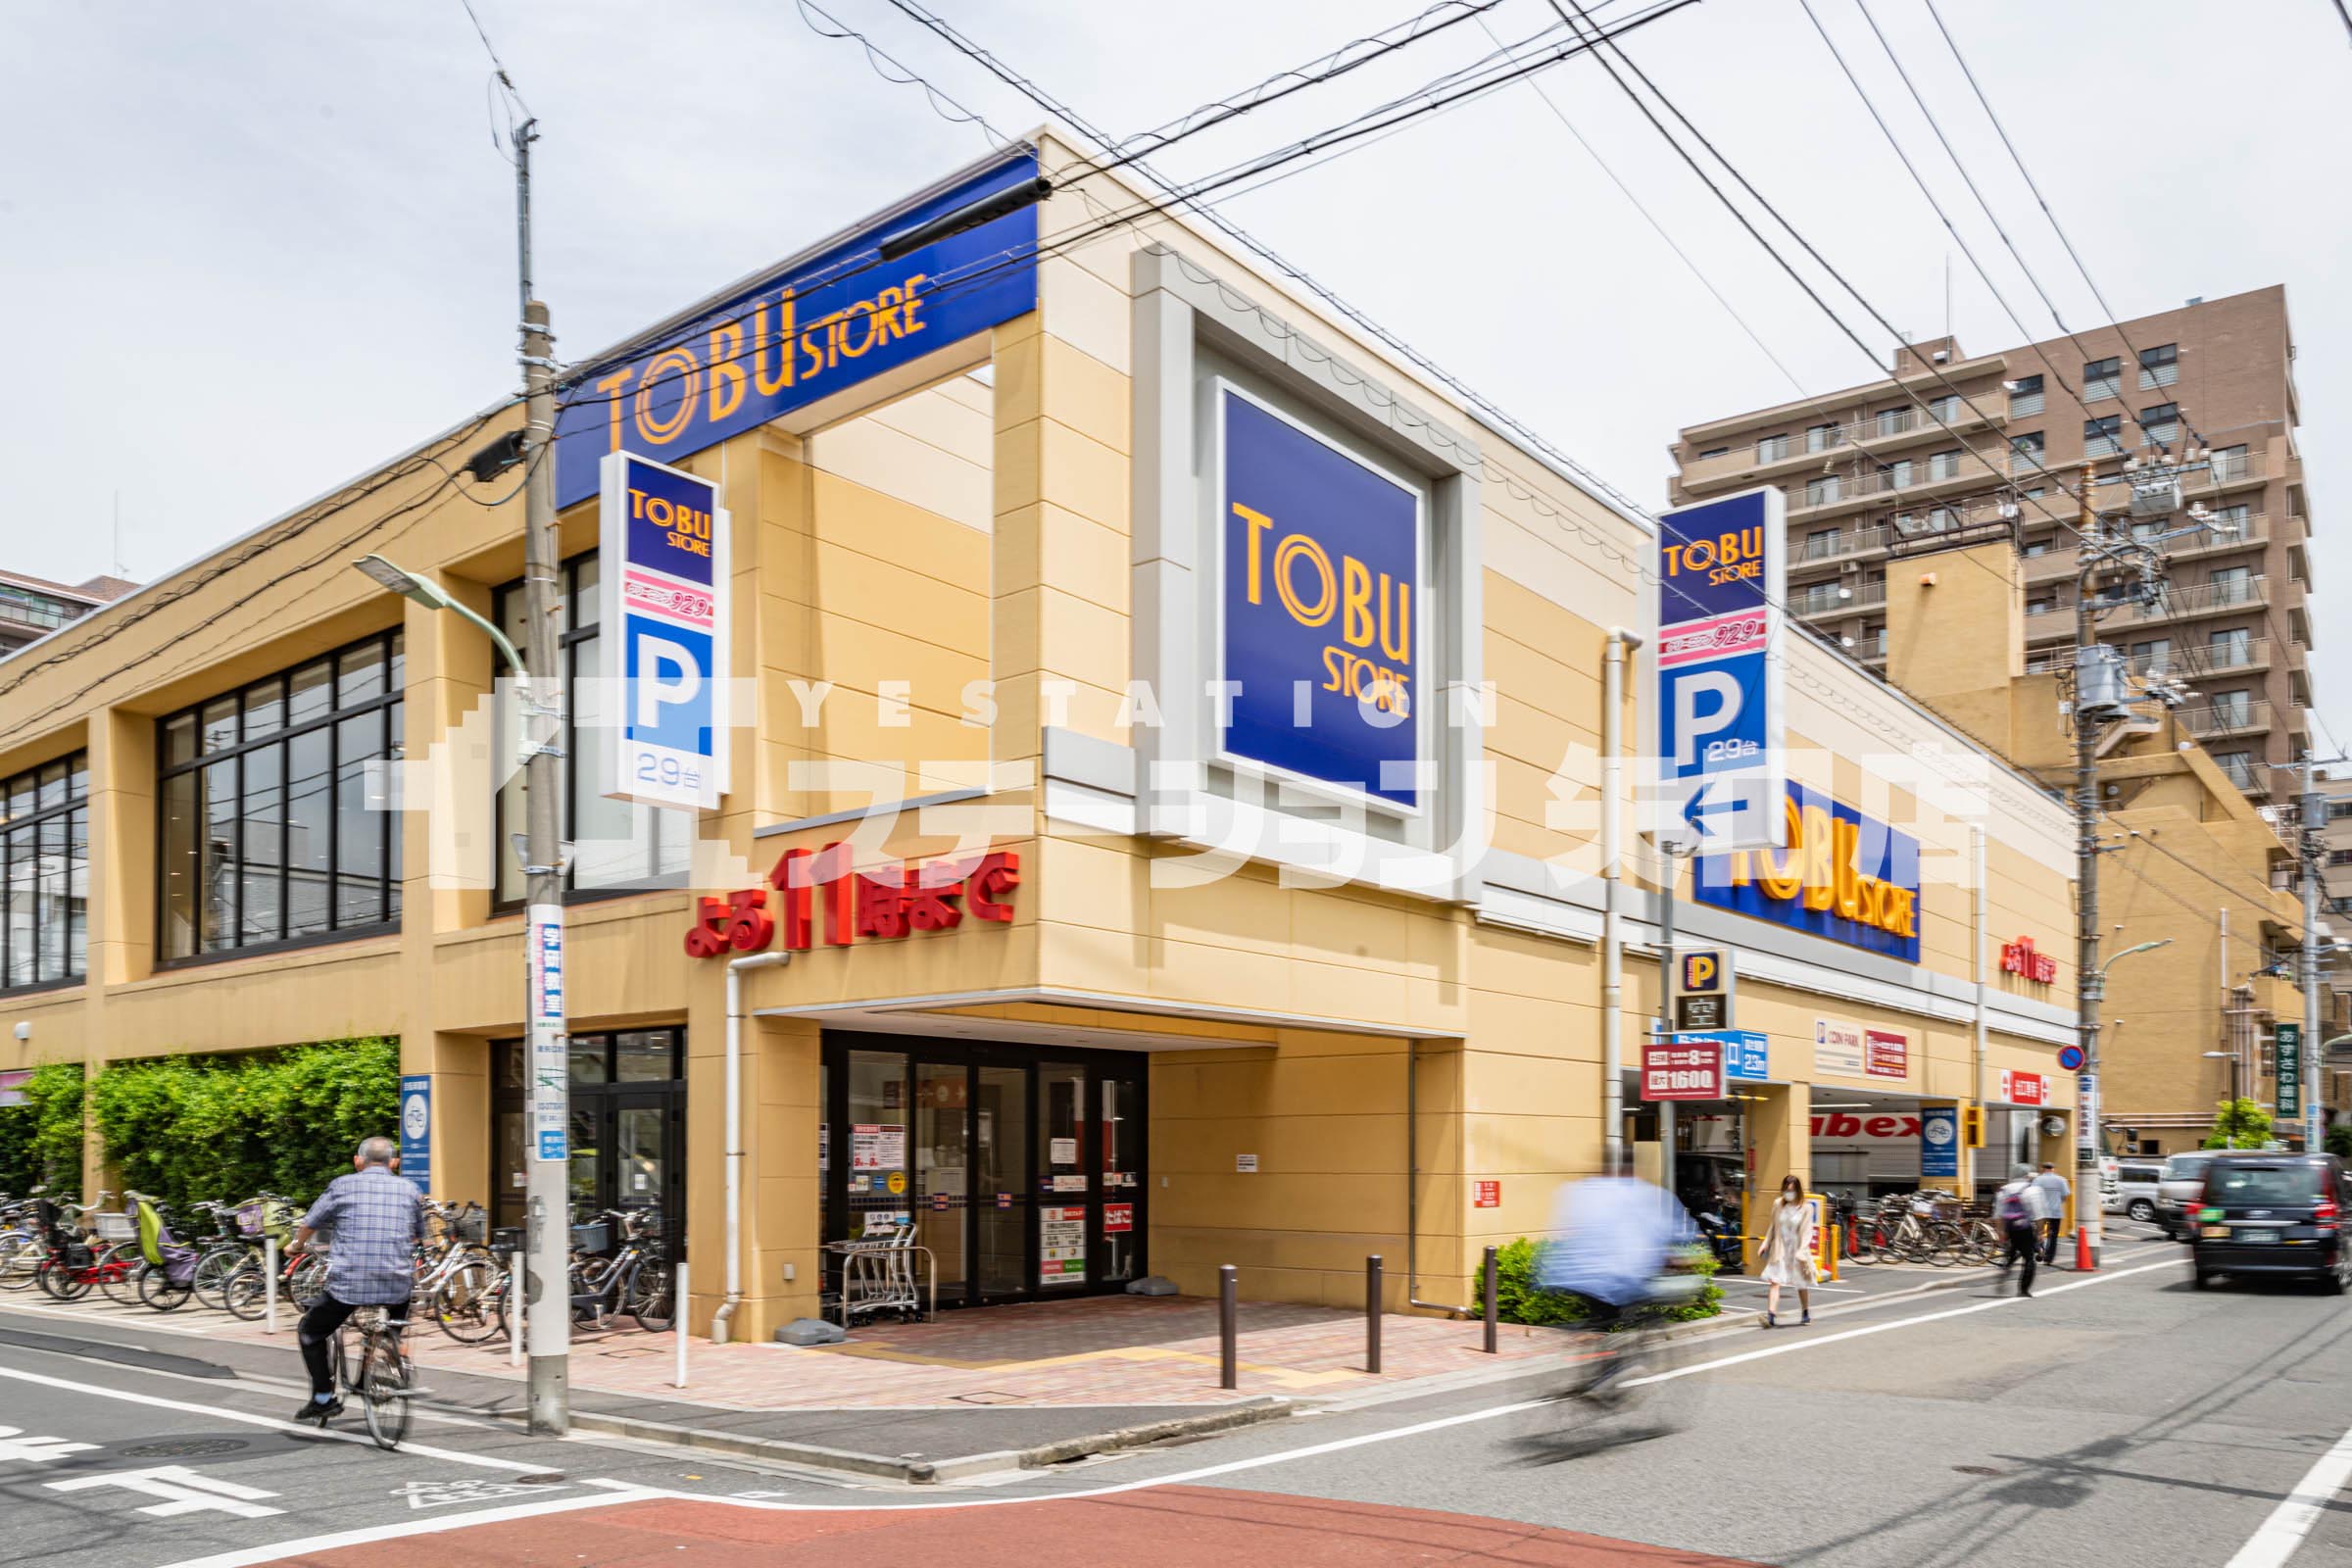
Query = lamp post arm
x=498 y=639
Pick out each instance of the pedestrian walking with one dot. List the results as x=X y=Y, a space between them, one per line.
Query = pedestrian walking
x=1788 y=1252
x=2050 y=1195
x=2013 y=1210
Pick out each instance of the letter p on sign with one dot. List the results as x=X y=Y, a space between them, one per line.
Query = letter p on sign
x=667 y=697
x=1717 y=693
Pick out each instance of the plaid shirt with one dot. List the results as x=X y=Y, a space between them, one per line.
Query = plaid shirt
x=373 y=1219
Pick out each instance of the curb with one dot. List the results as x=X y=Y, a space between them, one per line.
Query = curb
x=930 y=1472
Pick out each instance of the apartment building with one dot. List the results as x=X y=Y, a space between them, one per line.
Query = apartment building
x=32 y=608
x=1953 y=440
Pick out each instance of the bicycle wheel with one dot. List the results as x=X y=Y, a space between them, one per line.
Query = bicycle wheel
x=212 y=1270
x=157 y=1291
x=19 y=1260
x=61 y=1283
x=462 y=1303
x=653 y=1295
x=1944 y=1243
x=384 y=1392
x=307 y=1283
x=118 y=1270
x=245 y=1294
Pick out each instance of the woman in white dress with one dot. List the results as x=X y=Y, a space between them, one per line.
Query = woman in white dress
x=1788 y=1252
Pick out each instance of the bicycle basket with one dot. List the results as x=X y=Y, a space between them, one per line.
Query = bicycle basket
x=249 y=1220
x=471 y=1227
x=115 y=1228
x=507 y=1239
x=596 y=1238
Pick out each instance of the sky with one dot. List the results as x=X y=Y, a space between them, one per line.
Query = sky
x=249 y=252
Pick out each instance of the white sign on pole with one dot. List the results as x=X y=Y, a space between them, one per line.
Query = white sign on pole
x=662 y=660
x=551 y=1054
x=1715 y=666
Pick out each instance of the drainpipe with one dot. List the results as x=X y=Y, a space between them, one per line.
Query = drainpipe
x=735 y=967
x=1976 y=845
x=1612 y=856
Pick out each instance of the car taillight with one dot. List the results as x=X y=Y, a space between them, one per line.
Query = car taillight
x=2325 y=1212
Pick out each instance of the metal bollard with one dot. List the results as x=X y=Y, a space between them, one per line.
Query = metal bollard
x=269 y=1284
x=679 y=1301
x=1493 y=1311
x=1372 y=1268
x=515 y=1307
x=1229 y=1359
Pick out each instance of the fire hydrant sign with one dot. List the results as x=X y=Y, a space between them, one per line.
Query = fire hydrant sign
x=663 y=556
x=1682 y=1069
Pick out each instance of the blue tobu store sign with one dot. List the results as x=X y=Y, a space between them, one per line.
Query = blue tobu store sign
x=1845 y=876
x=805 y=331
x=1321 y=558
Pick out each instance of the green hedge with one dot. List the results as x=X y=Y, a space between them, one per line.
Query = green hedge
x=227 y=1127
x=40 y=1140
x=1518 y=1298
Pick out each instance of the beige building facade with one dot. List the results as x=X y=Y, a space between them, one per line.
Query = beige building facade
x=1090 y=986
x=1951 y=438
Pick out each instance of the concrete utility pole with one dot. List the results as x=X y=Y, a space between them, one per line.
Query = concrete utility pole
x=2089 y=978
x=548 y=1243
x=2311 y=850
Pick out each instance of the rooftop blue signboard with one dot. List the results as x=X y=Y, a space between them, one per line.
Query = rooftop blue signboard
x=802 y=332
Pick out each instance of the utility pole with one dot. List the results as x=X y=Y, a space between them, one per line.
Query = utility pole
x=2090 y=981
x=2311 y=851
x=547 y=1239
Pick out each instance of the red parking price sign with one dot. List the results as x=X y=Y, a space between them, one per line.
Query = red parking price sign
x=1683 y=1070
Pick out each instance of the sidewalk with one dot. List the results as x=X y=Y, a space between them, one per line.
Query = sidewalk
x=997 y=1388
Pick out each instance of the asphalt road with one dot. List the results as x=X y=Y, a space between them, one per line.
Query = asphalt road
x=2124 y=1417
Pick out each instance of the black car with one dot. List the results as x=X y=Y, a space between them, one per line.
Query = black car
x=2274 y=1214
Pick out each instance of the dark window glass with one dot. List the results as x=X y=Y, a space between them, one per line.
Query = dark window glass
x=272 y=833
x=645 y=1056
x=44 y=873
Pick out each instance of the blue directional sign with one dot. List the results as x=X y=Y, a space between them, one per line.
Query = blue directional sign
x=1721 y=568
x=1746 y=1054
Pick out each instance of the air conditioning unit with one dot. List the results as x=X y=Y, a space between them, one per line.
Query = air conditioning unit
x=2155 y=498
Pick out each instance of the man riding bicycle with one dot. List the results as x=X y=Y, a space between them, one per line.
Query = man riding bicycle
x=373 y=1217
x=1613 y=1237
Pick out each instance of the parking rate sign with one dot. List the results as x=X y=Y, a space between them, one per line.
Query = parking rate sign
x=664 y=656
x=1722 y=575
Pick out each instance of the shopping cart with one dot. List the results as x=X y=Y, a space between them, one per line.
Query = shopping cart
x=878 y=1275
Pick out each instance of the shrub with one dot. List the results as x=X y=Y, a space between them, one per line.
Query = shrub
x=1519 y=1299
x=2339 y=1140
x=188 y=1127
x=40 y=1140
x=2239 y=1124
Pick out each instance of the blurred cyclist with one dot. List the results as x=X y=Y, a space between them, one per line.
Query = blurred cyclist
x=1614 y=1235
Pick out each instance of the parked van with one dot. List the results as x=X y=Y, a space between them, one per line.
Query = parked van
x=2178 y=1188
x=2130 y=1188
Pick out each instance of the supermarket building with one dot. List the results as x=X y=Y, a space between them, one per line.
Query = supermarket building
x=1176 y=981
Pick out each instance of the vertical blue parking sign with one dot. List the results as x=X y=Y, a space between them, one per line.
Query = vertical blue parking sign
x=416 y=1130
x=664 y=559
x=1938 y=1143
x=1722 y=576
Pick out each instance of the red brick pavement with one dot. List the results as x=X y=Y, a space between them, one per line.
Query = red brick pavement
x=1168 y=1527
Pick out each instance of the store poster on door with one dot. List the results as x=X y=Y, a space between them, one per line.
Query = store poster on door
x=1885 y=1054
x=1062 y=1245
x=1118 y=1218
x=878 y=1145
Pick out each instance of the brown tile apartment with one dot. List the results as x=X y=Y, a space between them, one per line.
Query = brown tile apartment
x=1871 y=466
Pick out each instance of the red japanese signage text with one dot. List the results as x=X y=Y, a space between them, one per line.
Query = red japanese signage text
x=881 y=904
x=2020 y=958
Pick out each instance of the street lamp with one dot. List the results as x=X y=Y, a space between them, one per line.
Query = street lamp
x=546 y=1249
x=2144 y=947
x=426 y=592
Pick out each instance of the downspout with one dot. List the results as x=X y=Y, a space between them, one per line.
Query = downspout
x=1612 y=857
x=1975 y=836
x=720 y=1320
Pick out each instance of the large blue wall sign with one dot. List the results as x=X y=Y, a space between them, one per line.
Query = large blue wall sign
x=1321 y=601
x=802 y=332
x=1843 y=875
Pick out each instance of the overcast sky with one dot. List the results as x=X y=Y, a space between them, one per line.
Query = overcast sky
x=249 y=251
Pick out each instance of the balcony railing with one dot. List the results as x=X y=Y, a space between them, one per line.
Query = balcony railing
x=2234 y=467
x=1831 y=603
x=2227 y=719
x=1845 y=542
x=2206 y=599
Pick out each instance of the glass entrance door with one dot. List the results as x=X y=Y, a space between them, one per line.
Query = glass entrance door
x=943 y=1162
x=1024 y=1174
x=1001 y=1206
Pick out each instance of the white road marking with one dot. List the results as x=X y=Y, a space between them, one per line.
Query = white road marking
x=278 y=1551
x=181 y=1490
x=15 y=1444
x=2284 y=1531
x=222 y=1412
